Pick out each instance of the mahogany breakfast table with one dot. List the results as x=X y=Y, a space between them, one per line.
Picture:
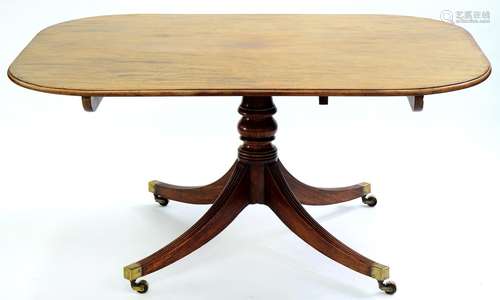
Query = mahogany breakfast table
x=256 y=57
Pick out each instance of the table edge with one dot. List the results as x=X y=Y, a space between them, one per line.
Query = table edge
x=254 y=92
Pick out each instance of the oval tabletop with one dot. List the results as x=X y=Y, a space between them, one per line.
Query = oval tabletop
x=155 y=55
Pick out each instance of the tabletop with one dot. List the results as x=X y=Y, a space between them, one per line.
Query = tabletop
x=180 y=55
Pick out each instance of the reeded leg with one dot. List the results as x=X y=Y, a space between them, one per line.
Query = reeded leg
x=232 y=200
x=207 y=194
x=310 y=195
x=282 y=201
x=258 y=178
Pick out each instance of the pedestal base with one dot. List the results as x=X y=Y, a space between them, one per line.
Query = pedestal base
x=258 y=177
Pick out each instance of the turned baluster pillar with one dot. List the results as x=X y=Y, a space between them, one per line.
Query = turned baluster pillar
x=257 y=128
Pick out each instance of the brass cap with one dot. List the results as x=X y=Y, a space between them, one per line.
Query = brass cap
x=379 y=272
x=132 y=272
x=367 y=188
x=151 y=186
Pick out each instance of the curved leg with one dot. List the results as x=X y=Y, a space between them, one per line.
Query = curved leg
x=310 y=195
x=189 y=194
x=282 y=201
x=231 y=201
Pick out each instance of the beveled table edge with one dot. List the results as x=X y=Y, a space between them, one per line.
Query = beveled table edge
x=254 y=92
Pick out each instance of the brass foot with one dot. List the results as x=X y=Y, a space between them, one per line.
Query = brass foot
x=369 y=200
x=131 y=273
x=387 y=287
x=141 y=287
x=152 y=185
x=381 y=274
x=367 y=188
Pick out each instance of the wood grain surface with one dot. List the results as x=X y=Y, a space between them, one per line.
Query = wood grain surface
x=179 y=55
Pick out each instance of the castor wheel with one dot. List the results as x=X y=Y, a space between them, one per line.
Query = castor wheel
x=141 y=287
x=160 y=200
x=388 y=287
x=370 y=200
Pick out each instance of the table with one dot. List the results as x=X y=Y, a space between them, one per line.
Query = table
x=256 y=57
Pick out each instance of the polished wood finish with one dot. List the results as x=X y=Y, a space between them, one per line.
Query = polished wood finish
x=179 y=55
x=310 y=195
x=192 y=194
x=224 y=210
x=258 y=177
x=282 y=201
x=304 y=193
x=257 y=57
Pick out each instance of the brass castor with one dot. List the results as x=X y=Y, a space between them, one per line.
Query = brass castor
x=388 y=287
x=141 y=287
x=160 y=200
x=370 y=200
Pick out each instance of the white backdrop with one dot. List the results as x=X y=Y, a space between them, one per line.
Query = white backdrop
x=74 y=206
